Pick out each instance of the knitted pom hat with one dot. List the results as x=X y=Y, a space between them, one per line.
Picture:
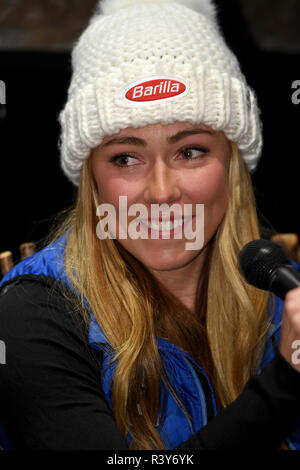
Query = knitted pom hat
x=141 y=62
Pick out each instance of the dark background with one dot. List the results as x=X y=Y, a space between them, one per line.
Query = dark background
x=33 y=188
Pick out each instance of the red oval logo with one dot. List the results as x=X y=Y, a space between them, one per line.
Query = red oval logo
x=157 y=89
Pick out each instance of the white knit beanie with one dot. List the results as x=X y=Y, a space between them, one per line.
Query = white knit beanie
x=142 y=62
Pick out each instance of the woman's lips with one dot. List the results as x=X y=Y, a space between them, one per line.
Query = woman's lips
x=165 y=228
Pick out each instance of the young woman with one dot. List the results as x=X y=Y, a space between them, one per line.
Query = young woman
x=118 y=341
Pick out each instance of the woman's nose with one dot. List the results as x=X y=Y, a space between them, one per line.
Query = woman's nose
x=162 y=185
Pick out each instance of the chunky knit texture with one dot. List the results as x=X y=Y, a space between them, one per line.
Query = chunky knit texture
x=130 y=40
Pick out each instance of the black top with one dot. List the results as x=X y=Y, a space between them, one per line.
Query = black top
x=51 y=396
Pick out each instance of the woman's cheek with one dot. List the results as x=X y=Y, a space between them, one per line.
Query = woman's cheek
x=210 y=186
x=111 y=188
x=213 y=193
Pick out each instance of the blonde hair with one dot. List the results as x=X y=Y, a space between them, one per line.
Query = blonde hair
x=227 y=336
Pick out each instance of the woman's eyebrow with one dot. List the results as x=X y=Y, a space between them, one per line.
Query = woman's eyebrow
x=131 y=140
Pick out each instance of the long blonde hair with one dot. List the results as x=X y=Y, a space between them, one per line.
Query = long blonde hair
x=227 y=336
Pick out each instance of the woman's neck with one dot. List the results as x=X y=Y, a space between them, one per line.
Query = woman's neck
x=183 y=281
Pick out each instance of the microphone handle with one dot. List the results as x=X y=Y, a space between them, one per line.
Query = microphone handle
x=284 y=279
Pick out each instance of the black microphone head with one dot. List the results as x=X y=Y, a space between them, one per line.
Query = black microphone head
x=259 y=259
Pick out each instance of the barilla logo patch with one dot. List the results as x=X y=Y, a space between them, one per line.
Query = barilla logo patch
x=152 y=89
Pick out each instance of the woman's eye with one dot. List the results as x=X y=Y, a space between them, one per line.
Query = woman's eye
x=188 y=153
x=121 y=160
x=193 y=153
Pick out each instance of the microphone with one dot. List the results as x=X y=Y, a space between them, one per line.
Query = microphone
x=265 y=265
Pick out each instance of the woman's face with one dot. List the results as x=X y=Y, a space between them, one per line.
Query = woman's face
x=176 y=163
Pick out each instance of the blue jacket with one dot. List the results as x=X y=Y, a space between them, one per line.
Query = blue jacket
x=187 y=377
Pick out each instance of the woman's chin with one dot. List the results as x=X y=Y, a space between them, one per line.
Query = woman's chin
x=166 y=261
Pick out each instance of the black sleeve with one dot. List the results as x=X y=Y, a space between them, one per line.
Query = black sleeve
x=263 y=415
x=51 y=396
